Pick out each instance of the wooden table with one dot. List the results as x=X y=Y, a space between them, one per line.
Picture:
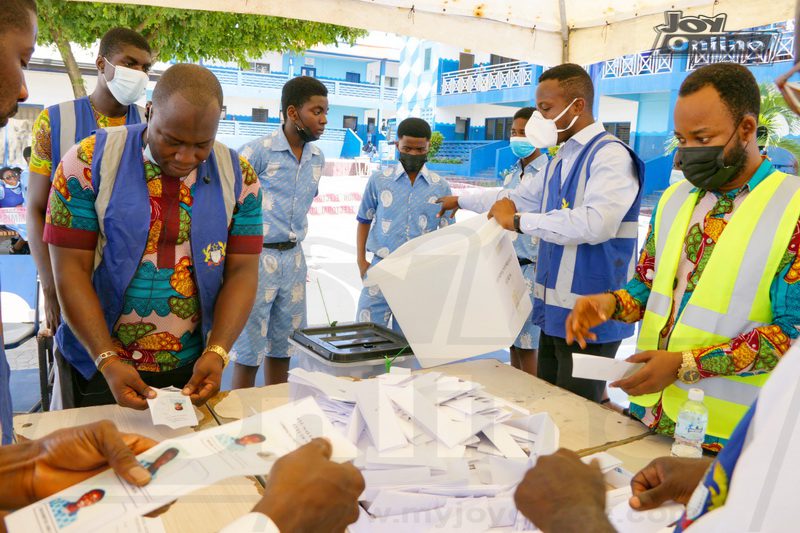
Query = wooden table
x=584 y=426
x=205 y=510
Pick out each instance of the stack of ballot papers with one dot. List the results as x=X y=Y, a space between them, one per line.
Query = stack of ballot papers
x=441 y=454
x=180 y=466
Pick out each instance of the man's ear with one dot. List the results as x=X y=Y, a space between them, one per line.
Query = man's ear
x=148 y=110
x=100 y=63
x=748 y=127
x=580 y=105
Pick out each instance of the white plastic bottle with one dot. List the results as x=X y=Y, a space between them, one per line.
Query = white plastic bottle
x=690 y=428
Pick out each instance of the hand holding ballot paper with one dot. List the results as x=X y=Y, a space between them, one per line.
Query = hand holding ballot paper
x=179 y=466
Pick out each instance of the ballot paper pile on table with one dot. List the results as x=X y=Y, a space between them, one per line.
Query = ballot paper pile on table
x=441 y=454
x=180 y=466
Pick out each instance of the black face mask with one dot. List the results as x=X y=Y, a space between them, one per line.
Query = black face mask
x=708 y=167
x=412 y=163
x=304 y=132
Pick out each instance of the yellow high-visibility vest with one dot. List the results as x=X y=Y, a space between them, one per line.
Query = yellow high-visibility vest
x=732 y=296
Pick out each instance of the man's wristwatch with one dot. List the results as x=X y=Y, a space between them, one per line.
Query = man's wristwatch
x=688 y=372
x=220 y=351
x=517 y=216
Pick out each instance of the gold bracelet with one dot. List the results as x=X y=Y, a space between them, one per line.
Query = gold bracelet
x=220 y=351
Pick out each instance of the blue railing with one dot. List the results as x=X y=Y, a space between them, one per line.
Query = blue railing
x=258 y=129
x=487 y=78
x=276 y=81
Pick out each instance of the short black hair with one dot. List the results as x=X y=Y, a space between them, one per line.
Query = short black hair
x=115 y=38
x=3 y=171
x=299 y=90
x=524 y=112
x=26 y=152
x=735 y=84
x=195 y=83
x=17 y=15
x=575 y=81
x=414 y=127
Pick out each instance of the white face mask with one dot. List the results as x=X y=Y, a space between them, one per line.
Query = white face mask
x=543 y=132
x=128 y=85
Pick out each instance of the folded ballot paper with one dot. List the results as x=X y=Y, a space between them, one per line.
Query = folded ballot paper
x=601 y=368
x=439 y=453
x=182 y=465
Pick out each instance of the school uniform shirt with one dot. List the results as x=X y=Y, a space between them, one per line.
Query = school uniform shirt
x=158 y=329
x=289 y=186
x=398 y=210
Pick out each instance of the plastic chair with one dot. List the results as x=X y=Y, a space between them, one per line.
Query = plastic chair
x=18 y=274
x=21 y=286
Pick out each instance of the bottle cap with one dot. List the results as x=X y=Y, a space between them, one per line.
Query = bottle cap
x=696 y=395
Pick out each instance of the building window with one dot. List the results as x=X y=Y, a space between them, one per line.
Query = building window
x=223 y=113
x=427 y=64
x=263 y=68
x=390 y=81
x=621 y=130
x=498 y=129
x=499 y=60
x=350 y=122
x=308 y=71
x=353 y=77
x=260 y=114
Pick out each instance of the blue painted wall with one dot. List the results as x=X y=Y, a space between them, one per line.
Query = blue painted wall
x=332 y=67
x=448 y=131
x=352 y=145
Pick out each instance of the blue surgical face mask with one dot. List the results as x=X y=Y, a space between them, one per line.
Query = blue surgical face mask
x=521 y=147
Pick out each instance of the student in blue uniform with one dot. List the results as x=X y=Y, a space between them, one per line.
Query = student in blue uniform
x=289 y=167
x=399 y=203
x=531 y=160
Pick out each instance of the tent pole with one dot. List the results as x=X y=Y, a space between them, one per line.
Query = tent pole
x=562 y=7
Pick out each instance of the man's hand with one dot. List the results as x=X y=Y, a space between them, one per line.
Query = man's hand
x=127 y=386
x=363 y=266
x=660 y=370
x=667 y=478
x=589 y=311
x=780 y=82
x=561 y=493
x=307 y=492
x=52 y=313
x=206 y=378
x=503 y=212
x=448 y=203
x=69 y=456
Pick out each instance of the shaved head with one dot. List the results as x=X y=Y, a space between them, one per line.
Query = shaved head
x=195 y=84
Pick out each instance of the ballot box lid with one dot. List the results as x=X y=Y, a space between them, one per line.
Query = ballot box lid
x=352 y=342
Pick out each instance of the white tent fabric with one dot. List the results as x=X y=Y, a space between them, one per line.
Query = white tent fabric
x=548 y=32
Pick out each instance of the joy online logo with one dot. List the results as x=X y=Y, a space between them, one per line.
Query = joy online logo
x=687 y=35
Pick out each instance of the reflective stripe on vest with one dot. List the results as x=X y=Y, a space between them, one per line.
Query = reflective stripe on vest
x=562 y=295
x=64 y=125
x=732 y=296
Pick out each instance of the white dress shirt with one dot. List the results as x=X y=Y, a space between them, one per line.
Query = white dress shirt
x=481 y=200
x=610 y=192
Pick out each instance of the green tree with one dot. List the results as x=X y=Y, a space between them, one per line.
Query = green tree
x=180 y=34
x=775 y=120
x=436 y=144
